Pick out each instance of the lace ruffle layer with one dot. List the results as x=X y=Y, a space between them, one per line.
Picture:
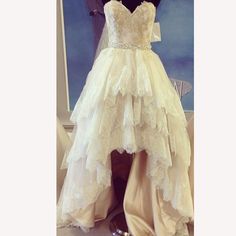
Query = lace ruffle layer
x=128 y=103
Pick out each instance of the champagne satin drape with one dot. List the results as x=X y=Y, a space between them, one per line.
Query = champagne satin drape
x=146 y=212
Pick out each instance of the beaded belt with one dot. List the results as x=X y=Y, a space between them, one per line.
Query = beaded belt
x=129 y=46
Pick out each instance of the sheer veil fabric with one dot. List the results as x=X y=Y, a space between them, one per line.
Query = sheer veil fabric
x=129 y=104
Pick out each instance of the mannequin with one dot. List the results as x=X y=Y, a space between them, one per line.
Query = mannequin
x=132 y=4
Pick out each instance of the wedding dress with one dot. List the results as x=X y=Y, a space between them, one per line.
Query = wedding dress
x=127 y=104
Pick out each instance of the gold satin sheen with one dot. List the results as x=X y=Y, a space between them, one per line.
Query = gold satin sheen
x=145 y=211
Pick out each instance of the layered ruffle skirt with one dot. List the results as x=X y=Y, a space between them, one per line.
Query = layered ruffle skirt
x=127 y=104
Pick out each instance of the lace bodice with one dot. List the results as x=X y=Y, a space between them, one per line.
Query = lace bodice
x=128 y=29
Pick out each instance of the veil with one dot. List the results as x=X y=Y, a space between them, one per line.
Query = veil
x=103 y=41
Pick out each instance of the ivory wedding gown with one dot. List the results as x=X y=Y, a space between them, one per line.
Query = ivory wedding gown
x=128 y=103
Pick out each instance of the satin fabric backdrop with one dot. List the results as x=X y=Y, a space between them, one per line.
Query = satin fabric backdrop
x=145 y=211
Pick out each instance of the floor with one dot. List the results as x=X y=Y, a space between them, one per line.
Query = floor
x=101 y=229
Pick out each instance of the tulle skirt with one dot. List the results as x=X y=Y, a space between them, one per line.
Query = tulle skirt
x=128 y=103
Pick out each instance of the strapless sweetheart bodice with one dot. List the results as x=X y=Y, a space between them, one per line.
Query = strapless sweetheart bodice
x=128 y=29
